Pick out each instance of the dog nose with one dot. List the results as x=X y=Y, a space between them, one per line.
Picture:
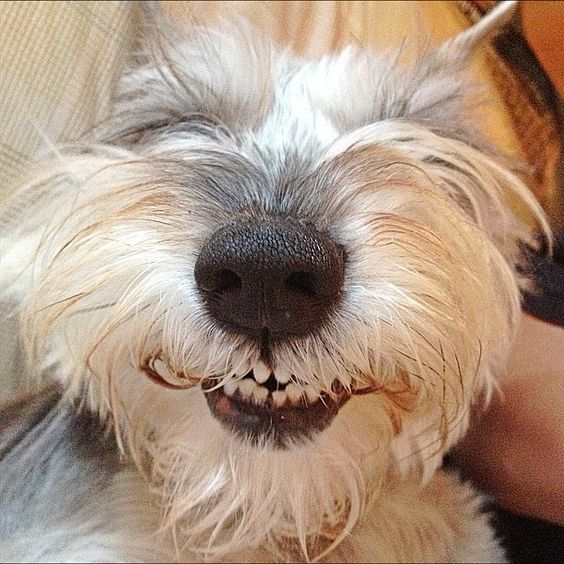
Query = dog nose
x=275 y=277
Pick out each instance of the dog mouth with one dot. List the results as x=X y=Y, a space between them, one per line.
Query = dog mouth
x=272 y=407
x=265 y=406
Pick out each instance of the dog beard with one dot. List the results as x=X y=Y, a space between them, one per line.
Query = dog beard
x=224 y=129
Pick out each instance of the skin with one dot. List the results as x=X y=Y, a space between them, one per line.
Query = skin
x=515 y=451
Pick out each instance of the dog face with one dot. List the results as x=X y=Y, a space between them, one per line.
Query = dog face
x=281 y=280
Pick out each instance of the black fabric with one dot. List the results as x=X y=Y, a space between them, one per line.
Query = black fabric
x=546 y=301
x=526 y=539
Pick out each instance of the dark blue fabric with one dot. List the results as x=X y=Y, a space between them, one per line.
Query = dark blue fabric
x=526 y=539
x=547 y=301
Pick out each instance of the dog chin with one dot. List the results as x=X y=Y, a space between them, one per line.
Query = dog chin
x=245 y=495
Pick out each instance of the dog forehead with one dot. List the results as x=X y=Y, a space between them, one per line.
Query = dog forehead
x=271 y=97
x=305 y=94
x=312 y=103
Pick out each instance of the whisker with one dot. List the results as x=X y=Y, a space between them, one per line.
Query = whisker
x=75 y=297
x=91 y=309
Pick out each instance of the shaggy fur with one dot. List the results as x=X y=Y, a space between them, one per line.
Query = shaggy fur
x=100 y=269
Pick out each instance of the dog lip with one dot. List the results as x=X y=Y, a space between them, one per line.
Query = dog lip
x=180 y=380
x=266 y=423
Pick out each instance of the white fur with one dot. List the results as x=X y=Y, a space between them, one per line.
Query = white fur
x=101 y=270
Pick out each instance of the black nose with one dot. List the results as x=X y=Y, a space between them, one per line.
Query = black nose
x=275 y=276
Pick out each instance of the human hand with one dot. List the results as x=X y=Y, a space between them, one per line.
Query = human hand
x=515 y=451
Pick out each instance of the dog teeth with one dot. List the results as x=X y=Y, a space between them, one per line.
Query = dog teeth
x=230 y=387
x=247 y=387
x=294 y=393
x=279 y=398
x=260 y=394
x=282 y=375
x=311 y=394
x=255 y=387
x=261 y=372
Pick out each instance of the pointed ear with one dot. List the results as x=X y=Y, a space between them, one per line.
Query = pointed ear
x=464 y=44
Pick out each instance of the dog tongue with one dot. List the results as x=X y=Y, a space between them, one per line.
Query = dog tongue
x=226 y=408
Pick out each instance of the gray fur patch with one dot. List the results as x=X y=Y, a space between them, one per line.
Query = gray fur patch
x=52 y=461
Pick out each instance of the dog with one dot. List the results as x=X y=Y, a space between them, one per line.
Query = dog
x=259 y=304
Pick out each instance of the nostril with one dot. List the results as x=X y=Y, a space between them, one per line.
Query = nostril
x=225 y=281
x=304 y=283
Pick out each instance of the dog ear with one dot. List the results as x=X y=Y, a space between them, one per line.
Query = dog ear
x=437 y=89
x=465 y=43
x=187 y=72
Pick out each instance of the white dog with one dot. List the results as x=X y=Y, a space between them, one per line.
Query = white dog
x=268 y=291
